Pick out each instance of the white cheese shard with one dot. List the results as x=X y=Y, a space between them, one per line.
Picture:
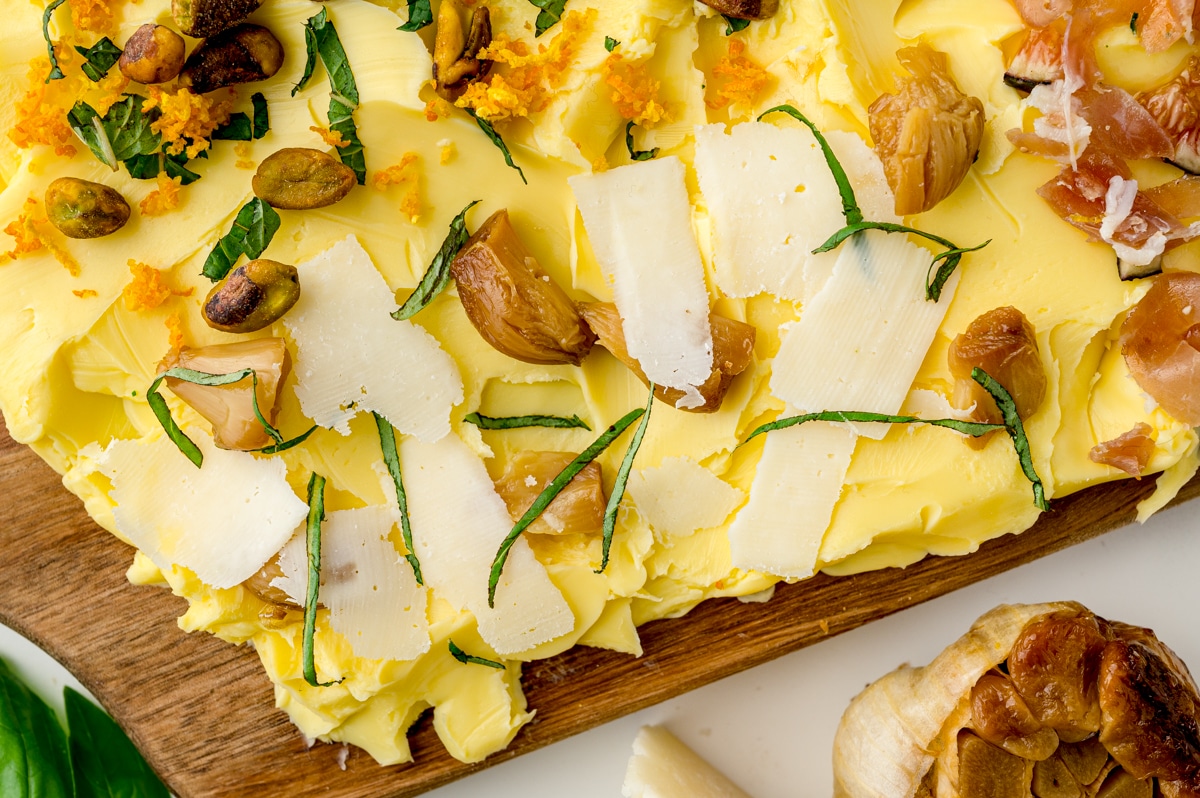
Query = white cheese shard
x=639 y=222
x=796 y=485
x=222 y=521
x=458 y=523
x=859 y=343
x=680 y=496
x=373 y=598
x=772 y=200
x=663 y=767
x=353 y=357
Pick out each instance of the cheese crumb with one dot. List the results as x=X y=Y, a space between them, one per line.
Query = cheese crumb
x=446 y=152
x=187 y=119
x=163 y=199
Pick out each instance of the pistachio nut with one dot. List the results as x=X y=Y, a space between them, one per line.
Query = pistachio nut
x=298 y=179
x=201 y=18
x=153 y=54
x=83 y=209
x=243 y=54
x=252 y=296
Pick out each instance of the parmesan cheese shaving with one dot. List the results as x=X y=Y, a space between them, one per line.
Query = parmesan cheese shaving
x=663 y=767
x=680 y=496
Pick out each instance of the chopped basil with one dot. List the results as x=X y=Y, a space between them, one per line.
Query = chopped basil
x=949 y=259
x=487 y=128
x=55 y=72
x=321 y=39
x=261 y=118
x=419 y=15
x=437 y=276
x=551 y=12
x=551 y=491
x=176 y=166
x=518 y=422
x=34 y=758
x=147 y=167
x=387 y=442
x=312 y=541
x=469 y=659
x=610 y=43
x=121 y=134
x=618 y=491
x=238 y=128
x=253 y=229
x=103 y=759
x=637 y=155
x=733 y=24
x=99 y=58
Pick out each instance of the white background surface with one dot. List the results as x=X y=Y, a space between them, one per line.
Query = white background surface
x=771 y=728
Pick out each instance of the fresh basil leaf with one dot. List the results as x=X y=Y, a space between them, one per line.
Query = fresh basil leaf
x=238 y=128
x=261 y=116
x=610 y=43
x=520 y=422
x=321 y=38
x=391 y=458
x=419 y=15
x=733 y=24
x=144 y=167
x=105 y=762
x=255 y=226
x=99 y=58
x=470 y=659
x=89 y=127
x=491 y=133
x=437 y=276
x=56 y=72
x=312 y=536
x=618 y=491
x=147 y=167
x=34 y=758
x=551 y=13
x=122 y=133
x=310 y=58
x=637 y=155
x=551 y=491
x=176 y=166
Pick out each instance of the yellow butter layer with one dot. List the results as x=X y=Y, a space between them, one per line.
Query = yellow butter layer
x=77 y=360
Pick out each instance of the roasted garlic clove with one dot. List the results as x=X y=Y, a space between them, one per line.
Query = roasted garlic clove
x=1053 y=664
x=230 y=408
x=455 y=58
x=1002 y=718
x=985 y=771
x=514 y=305
x=1002 y=342
x=1120 y=784
x=927 y=134
x=1053 y=779
x=744 y=9
x=733 y=349
x=1085 y=759
x=579 y=508
x=260 y=584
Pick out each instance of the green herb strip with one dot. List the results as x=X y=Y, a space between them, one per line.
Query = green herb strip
x=176 y=166
x=238 y=128
x=419 y=15
x=33 y=747
x=56 y=72
x=387 y=442
x=1133 y=23
x=260 y=116
x=437 y=276
x=185 y=444
x=551 y=12
x=1008 y=409
x=312 y=541
x=104 y=760
x=637 y=155
x=551 y=491
x=610 y=43
x=519 y=422
x=99 y=58
x=618 y=491
x=470 y=659
x=491 y=133
x=733 y=24
x=949 y=259
x=252 y=230
x=121 y=134
x=147 y=167
x=321 y=39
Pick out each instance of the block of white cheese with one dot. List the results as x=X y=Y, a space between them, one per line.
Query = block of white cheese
x=663 y=767
x=373 y=598
x=772 y=199
x=680 y=496
x=639 y=222
x=353 y=357
x=222 y=521
x=458 y=524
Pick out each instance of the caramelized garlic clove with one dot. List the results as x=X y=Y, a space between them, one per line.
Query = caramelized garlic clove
x=985 y=771
x=1120 y=784
x=1054 y=664
x=260 y=584
x=1053 y=779
x=1001 y=717
x=1003 y=343
x=229 y=408
x=578 y=509
x=1085 y=759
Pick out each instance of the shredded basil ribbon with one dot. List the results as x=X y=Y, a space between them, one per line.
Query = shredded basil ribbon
x=437 y=276
x=549 y=15
x=637 y=155
x=55 y=72
x=618 y=492
x=312 y=544
x=256 y=224
x=519 y=422
x=419 y=15
x=1004 y=401
x=182 y=441
x=99 y=58
x=387 y=442
x=321 y=40
x=491 y=133
x=855 y=223
x=470 y=659
x=551 y=491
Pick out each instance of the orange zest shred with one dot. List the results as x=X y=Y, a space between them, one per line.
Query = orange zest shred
x=186 y=116
x=85 y=293
x=41 y=112
x=407 y=173
x=743 y=77
x=437 y=108
x=522 y=81
x=147 y=290
x=175 y=337
x=163 y=199
x=92 y=15
x=331 y=137
x=30 y=231
x=635 y=93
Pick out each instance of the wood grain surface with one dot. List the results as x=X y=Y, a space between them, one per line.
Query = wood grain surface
x=203 y=711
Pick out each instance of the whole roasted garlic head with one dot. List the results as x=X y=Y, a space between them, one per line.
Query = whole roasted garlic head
x=927 y=134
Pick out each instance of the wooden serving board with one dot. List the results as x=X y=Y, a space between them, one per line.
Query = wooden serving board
x=203 y=711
